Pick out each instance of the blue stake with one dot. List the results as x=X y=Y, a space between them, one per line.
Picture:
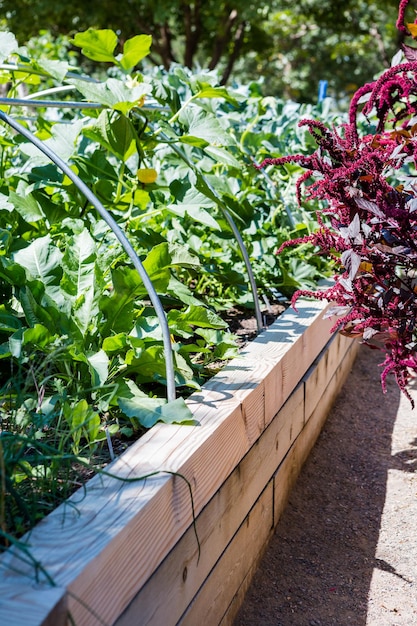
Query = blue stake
x=322 y=90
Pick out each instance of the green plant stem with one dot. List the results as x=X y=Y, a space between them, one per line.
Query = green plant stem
x=119 y=188
x=176 y=115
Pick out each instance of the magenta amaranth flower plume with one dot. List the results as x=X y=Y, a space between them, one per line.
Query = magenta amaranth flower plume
x=368 y=222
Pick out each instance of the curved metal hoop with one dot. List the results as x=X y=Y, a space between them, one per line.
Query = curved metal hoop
x=127 y=246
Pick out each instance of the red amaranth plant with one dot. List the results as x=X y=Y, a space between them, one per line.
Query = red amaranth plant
x=368 y=186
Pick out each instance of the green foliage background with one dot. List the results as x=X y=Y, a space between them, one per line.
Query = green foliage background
x=170 y=154
x=286 y=46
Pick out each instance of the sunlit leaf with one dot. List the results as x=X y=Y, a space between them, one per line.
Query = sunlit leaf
x=42 y=261
x=195 y=204
x=99 y=367
x=80 y=278
x=203 y=127
x=216 y=92
x=202 y=317
x=134 y=50
x=113 y=93
x=62 y=142
x=149 y=411
x=222 y=156
x=56 y=69
x=8 y=44
x=26 y=205
x=39 y=336
x=97 y=45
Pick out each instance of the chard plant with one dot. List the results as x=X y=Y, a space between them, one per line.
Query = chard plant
x=364 y=174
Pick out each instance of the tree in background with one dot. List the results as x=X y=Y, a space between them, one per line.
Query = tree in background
x=286 y=46
x=203 y=32
x=345 y=43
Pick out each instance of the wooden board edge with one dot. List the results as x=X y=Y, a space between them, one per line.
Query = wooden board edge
x=212 y=602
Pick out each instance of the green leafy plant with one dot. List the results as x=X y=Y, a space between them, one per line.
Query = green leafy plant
x=170 y=156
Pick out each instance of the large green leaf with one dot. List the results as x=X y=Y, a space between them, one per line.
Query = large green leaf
x=34 y=312
x=5 y=205
x=113 y=93
x=208 y=91
x=97 y=45
x=166 y=255
x=182 y=292
x=83 y=420
x=39 y=336
x=182 y=256
x=115 y=343
x=195 y=204
x=9 y=323
x=148 y=411
x=42 y=261
x=99 y=367
x=56 y=69
x=118 y=308
x=134 y=50
x=114 y=132
x=148 y=364
x=203 y=126
x=223 y=156
x=26 y=204
x=201 y=317
x=80 y=278
x=11 y=272
x=8 y=45
x=62 y=142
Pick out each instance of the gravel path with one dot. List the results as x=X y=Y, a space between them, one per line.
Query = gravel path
x=345 y=549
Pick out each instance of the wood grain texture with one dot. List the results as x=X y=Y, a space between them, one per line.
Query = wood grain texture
x=297 y=352
x=211 y=603
x=323 y=369
x=175 y=583
x=33 y=603
x=288 y=471
x=287 y=474
x=177 y=580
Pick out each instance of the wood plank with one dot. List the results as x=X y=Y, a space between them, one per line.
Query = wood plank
x=160 y=508
x=40 y=604
x=173 y=586
x=317 y=378
x=290 y=469
x=246 y=549
x=110 y=581
x=240 y=383
x=135 y=526
x=297 y=352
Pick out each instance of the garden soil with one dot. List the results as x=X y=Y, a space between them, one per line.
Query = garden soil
x=345 y=549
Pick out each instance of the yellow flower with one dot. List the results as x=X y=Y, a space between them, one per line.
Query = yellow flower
x=147 y=175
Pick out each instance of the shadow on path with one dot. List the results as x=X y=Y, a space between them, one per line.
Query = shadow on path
x=317 y=570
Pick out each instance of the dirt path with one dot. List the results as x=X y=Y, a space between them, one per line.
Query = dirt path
x=345 y=550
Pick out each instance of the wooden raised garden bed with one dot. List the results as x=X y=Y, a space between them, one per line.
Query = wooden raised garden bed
x=126 y=554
